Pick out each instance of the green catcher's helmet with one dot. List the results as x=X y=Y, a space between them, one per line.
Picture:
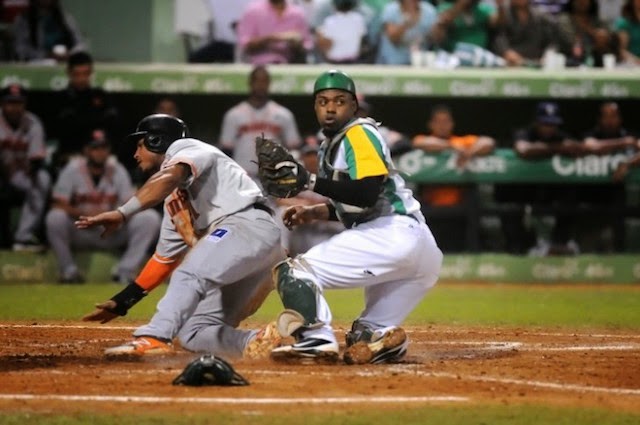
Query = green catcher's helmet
x=334 y=79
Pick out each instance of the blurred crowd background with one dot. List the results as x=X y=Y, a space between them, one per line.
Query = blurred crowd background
x=449 y=33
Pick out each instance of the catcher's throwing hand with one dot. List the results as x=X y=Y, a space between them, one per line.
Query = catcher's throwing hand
x=103 y=313
x=300 y=214
x=280 y=174
x=111 y=220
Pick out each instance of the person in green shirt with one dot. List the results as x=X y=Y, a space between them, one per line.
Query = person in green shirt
x=628 y=29
x=466 y=21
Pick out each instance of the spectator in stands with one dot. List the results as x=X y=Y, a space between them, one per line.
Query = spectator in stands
x=253 y=117
x=222 y=45
x=374 y=21
x=89 y=185
x=46 y=31
x=603 y=231
x=342 y=36
x=23 y=179
x=589 y=37
x=406 y=26
x=544 y=138
x=628 y=29
x=466 y=21
x=450 y=209
x=324 y=8
x=526 y=35
x=81 y=108
x=9 y=11
x=274 y=31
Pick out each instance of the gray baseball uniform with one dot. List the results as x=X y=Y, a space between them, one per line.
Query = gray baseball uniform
x=232 y=243
x=243 y=123
x=18 y=146
x=76 y=186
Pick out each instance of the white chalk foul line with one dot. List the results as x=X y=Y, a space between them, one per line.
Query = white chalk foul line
x=527 y=332
x=235 y=400
x=524 y=382
x=540 y=384
x=525 y=346
x=611 y=347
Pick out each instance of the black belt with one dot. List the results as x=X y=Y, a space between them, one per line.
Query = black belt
x=263 y=207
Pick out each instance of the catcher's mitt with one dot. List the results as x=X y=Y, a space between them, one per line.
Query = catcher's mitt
x=209 y=370
x=280 y=174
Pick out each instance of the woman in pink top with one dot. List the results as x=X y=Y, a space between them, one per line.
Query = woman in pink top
x=273 y=31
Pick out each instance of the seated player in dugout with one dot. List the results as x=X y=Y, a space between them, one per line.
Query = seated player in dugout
x=605 y=232
x=451 y=208
x=88 y=185
x=544 y=137
x=218 y=215
x=386 y=246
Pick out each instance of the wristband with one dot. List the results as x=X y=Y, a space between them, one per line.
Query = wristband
x=130 y=207
x=127 y=298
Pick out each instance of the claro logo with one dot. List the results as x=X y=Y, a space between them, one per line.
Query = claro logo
x=481 y=165
x=590 y=165
x=568 y=269
x=19 y=272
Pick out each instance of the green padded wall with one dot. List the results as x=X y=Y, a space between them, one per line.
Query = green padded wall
x=128 y=31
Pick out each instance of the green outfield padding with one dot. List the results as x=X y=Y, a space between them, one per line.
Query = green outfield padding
x=42 y=268
x=495 y=268
x=502 y=268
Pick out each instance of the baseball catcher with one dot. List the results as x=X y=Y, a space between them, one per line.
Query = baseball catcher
x=280 y=174
x=386 y=246
x=209 y=370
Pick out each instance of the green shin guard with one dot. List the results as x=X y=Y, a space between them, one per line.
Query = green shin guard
x=299 y=295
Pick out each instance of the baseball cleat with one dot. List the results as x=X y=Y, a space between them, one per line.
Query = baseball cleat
x=264 y=342
x=312 y=350
x=388 y=347
x=141 y=346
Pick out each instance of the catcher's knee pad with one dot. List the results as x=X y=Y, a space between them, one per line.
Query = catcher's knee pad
x=299 y=295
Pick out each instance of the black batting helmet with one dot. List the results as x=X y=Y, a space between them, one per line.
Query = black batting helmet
x=159 y=131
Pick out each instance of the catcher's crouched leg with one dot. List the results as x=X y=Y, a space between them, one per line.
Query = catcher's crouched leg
x=297 y=295
x=300 y=298
x=385 y=345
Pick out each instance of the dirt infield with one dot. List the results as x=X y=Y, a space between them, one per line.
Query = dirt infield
x=58 y=367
